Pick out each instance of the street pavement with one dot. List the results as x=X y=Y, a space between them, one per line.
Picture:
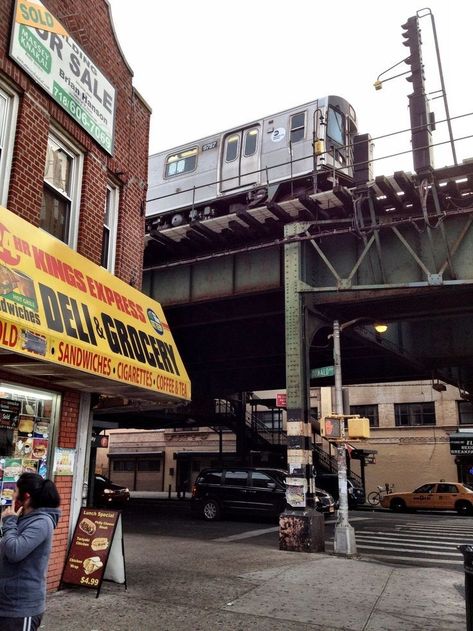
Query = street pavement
x=185 y=573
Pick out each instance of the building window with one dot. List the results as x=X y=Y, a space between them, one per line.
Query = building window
x=465 y=412
x=410 y=414
x=368 y=411
x=151 y=464
x=123 y=465
x=297 y=127
x=251 y=140
x=110 y=221
x=8 y=109
x=60 y=204
x=182 y=162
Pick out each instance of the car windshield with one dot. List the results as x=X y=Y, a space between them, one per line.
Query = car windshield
x=468 y=488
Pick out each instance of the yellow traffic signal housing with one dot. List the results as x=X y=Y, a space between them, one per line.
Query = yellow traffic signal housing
x=358 y=427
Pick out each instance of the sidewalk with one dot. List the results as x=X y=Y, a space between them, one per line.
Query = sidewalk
x=177 y=582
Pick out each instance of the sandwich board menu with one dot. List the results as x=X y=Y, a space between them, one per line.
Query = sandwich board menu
x=97 y=543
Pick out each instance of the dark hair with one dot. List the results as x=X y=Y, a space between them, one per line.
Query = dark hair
x=43 y=493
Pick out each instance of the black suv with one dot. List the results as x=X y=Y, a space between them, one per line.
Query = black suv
x=329 y=482
x=244 y=489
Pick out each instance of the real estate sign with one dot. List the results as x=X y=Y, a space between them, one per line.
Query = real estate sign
x=44 y=49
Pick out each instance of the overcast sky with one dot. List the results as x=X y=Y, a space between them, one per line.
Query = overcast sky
x=211 y=65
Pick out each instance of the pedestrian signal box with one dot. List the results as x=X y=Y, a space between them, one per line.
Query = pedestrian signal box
x=358 y=427
x=333 y=427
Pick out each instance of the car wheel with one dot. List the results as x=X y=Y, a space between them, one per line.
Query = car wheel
x=397 y=505
x=373 y=498
x=464 y=508
x=211 y=510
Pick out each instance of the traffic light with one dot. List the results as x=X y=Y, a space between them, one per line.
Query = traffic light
x=358 y=427
x=420 y=117
x=413 y=42
x=333 y=427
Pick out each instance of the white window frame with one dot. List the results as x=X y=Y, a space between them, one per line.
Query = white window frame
x=113 y=196
x=76 y=184
x=7 y=137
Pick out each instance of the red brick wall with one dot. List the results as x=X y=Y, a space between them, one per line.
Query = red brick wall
x=89 y=25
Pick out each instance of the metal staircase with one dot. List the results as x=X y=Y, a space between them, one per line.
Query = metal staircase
x=328 y=463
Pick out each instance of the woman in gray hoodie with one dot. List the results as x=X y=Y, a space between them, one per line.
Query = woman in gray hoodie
x=28 y=527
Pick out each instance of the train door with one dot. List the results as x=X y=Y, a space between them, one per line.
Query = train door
x=241 y=159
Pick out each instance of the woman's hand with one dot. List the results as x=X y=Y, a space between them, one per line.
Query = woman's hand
x=9 y=511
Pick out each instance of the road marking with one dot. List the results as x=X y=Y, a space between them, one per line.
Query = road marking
x=406 y=542
x=263 y=531
x=248 y=534
x=367 y=547
x=350 y=519
x=410 y=535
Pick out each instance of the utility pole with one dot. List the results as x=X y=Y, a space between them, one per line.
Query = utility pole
x=345 y=542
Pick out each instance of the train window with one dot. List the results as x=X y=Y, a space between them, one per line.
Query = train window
x=336 y=126
x=297 y=127
x=232 y=148
x=182 y=162
x=251 y=139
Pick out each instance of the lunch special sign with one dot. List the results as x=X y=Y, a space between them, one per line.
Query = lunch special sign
x=57 y=306
x=44 y=49
x=97 y=542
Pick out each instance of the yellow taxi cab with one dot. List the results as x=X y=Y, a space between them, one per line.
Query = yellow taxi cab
x=433 y=496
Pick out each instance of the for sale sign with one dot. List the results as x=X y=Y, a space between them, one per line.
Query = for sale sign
x=44 y=49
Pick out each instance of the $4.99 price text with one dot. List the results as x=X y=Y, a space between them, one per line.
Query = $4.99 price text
x=87 y=580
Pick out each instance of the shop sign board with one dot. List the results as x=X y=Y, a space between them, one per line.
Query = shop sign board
x=9 y=413
x=46 y=51
x=59 y=307
x=281 y=400
x=96 y=542
x=461 y=444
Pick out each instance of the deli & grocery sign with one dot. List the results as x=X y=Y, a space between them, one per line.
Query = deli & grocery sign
x=59 y=307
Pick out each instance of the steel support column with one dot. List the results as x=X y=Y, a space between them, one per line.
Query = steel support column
x=301 y=527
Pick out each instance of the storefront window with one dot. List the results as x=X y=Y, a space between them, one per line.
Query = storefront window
x=27 y=424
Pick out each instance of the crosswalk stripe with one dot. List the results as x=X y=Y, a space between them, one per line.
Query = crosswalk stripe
x=405 y=542
x=431 y=552
x=411 y=535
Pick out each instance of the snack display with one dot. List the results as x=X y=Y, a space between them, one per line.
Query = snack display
x=92 y=564
x=87 y=526
x=99 y=543
x=26 y=424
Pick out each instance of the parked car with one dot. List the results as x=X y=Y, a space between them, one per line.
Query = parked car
x=433 y=496
x=255 y=491
x=106 y=493
x=329 y=482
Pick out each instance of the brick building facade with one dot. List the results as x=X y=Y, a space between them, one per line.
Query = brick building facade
x=92 y=198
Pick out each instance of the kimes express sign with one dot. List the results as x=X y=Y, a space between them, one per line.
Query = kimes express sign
x=44 y=49
x=58 y=306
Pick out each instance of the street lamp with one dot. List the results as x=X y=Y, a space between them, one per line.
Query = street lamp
x=345 y=541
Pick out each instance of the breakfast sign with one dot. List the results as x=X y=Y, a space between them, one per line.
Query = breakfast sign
x=97 y=543
x=59 y=307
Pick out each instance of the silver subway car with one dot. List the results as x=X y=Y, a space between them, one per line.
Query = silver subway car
x=295 y=152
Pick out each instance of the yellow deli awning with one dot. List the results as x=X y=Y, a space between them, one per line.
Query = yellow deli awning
x=86 y=328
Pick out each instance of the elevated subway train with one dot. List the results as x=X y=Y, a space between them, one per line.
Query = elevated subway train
x=291 y=153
